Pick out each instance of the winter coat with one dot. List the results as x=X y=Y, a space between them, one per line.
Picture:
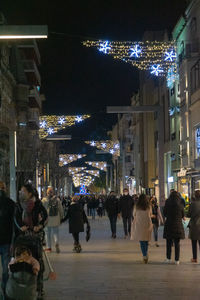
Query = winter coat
x=7 y=208
x=156 y=212
x=174 y=213
x=142 y=225
x=112 y=206
x=77 y=218
x=39 y=215
x=53 y=221
x=194 y=224
x=126 y=204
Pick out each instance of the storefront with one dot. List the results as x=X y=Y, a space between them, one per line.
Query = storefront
x=184 y=184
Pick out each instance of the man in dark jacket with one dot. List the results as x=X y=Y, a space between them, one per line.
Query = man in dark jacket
x=112 y=208
x=7 y=208
x=126 y=204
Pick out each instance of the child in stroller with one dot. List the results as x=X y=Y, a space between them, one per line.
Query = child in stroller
x=24 y=279
x=22 y=282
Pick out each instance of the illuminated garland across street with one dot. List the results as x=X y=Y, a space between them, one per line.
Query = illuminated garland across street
x=52 y=124
x=93 y=172
x=102 y=165
x=112 y=147
x=157 y=57
x=82 y=180
x=65 y=159
x=75 y=170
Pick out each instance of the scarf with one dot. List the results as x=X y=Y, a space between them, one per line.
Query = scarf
x=28 y=206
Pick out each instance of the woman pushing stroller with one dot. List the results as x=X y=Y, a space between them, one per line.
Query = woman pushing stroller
x=30 y=219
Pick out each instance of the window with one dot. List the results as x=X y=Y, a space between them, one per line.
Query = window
x=195 y=77
x=128 y=159
x=197 y=142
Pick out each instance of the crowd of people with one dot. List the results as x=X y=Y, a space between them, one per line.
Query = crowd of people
x=32 y=223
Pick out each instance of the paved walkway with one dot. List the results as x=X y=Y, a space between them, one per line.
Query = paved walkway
x=111 y=269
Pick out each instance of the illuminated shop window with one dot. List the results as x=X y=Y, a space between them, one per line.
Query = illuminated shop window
x=198 y=142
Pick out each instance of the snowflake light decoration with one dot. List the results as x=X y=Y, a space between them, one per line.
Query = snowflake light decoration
x=170 y=55
x=145 y=53
x=156 y=70
x=104 y=47
x=135 y=51
x=57 y=123
x=114 y=145
x=65 y=159
x=101 y=165
x=93 y=144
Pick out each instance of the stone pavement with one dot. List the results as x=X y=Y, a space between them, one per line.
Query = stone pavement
x=111 y=269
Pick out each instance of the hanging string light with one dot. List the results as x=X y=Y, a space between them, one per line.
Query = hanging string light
x=112 y=147
x=65 y=159
x=93 y=172
x=82 y=180
x=74 y=170
x=157 y=57
x=102 y=165
x=52 y=124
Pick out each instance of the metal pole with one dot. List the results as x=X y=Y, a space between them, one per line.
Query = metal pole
x=161 y=156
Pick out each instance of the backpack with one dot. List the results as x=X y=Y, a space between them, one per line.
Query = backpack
x=53 y=207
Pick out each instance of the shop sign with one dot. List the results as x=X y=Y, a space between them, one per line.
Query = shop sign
x=182 y=173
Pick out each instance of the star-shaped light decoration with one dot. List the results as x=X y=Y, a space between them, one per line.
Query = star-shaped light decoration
x=104 y=145
x=102 y=165
x=43 y=124
x=170 y=56
x=79 y=119
x=50 y=131
x=93 y=144
x=112 y=151
x=104 y=47
x=135 y=51
x=156 y=70
x=69 y=158
x=57 y=123
x=114 y=145
x=61 y=121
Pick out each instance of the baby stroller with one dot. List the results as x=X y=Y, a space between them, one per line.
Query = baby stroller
x=22 y=283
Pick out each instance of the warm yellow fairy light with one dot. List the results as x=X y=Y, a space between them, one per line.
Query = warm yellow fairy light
x=143 y=55
x=112 y=147
x=82 y=180
x=75 y=170
x=65 y=159
x=102 y=165
x=52 y=124
x=93 y=172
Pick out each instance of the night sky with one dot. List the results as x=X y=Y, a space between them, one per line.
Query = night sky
x=81 y=80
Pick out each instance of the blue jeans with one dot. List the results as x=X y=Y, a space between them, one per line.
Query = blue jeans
x=49 y=232
x=144 y=247
x=113 y=222
x=5 y=259
x=93 y=213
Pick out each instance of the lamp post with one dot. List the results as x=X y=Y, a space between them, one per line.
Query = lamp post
x=8 y=33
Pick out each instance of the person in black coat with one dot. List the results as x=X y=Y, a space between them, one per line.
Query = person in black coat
x=126 y=204
x=7 y=208
x=173 y=228
x=77 y=218
x=112 y=208
x=194 y=224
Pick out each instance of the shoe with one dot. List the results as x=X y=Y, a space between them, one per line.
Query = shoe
x=157 y=245
x=114 y=236
x=145 y=259
x=177 y=262
x=193 y=260
x=126 y=237
x=57 y=249
x=48 y=250
x=167 y=261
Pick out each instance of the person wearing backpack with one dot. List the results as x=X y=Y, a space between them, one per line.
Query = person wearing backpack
x=55 y=214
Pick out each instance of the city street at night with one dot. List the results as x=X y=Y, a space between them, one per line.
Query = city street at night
x=113 y=270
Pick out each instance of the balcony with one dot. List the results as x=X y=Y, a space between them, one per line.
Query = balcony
x=34 y=98
x=197 y=163
x=32 y=72
x=33 y=121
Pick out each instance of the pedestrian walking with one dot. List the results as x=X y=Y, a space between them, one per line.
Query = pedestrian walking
x=126 y=205
x=156 y=218
x=173 y=227
x=7 y=208
x=30 y=220
x=77 y=218
x=194 y=224
x=142 y=225
x=112 y=208
x=55 y=214
x=100 y=206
